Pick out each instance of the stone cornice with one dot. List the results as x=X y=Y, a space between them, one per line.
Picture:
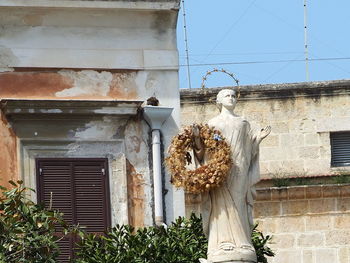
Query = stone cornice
x=97 y=4
x=303 y=192
x=314 y=90
x=49 y=108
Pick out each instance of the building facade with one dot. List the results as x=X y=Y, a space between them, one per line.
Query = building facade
x=74 y=78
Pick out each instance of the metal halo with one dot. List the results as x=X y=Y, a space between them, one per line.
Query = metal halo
x=204 y=78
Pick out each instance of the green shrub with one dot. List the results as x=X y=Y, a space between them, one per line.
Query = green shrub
x=26 y=229
x=260 y=244
x=27 y=234
x=182 y=241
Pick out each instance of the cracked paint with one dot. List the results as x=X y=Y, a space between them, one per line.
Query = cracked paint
x=69 y=84
x=123 y=86
x=99 y=129
x=38 y=85
x=86 y=82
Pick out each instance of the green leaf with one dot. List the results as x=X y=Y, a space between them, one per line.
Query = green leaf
x=13 y=183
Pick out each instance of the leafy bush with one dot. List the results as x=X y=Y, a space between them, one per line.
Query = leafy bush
x=26 y=229
x=260 y=244
x=27 y=234
x=182 y=241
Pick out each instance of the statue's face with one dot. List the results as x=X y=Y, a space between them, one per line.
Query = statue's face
x=227 y=98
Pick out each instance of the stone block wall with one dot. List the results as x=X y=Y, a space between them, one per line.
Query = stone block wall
x=309 y=224
x=302 y=117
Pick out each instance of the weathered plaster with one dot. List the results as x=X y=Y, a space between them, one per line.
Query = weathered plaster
x=8 y=155
x=7 y=57
x=110 y=149
x=68 y=84
x=104 y=39
x=86 y=82
x=94 y=50
x=2 y=69
x=139 y=174
x=82 y=135
x=100 y=128
x=136 y=196
x=32 y=84
x=77 y=138
x=123 y=86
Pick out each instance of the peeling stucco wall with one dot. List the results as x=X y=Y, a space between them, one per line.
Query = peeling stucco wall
x=68 y=84
x=105 y=85
x=8 y=155
x=136 y=198
x=87 y=38
x=91 y=137
x=138 y=173
x=94 y=51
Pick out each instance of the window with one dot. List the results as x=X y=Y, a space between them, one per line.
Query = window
x=340 y=149
x=79 y=189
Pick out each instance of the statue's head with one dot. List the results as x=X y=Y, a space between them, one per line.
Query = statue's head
x=226 y=98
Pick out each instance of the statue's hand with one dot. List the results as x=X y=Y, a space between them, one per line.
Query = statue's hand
x=198 y=143
x=195 y=130
x=264 y=132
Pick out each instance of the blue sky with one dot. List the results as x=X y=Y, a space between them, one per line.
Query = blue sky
x=252 y=32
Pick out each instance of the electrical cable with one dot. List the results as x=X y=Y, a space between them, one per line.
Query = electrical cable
x=263 y=61
x=243 y=54
x=230 y=28
x=297 y=28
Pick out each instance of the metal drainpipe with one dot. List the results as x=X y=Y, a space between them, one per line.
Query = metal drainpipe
x=155 y=117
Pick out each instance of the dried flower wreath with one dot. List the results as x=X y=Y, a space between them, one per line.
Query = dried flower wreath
x=209 y=175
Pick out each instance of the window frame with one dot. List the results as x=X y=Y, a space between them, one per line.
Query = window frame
x=333 y=144
x=79 y=161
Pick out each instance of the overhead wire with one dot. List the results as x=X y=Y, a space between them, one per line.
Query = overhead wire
x=332 y=64
x=243 y=54
x=288 y=61
x=264 y=61
x=230 y=28
x=282 y=68
x=297 y=28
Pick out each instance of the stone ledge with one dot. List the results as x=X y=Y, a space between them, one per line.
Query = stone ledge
x=115 y=4
x=314 y=90
x=23 y=108
x=303 y=192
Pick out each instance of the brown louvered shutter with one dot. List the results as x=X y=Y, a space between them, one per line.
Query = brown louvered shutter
x=79 y=189
x=90 y=196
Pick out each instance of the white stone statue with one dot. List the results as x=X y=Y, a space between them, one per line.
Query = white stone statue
x=227 y=210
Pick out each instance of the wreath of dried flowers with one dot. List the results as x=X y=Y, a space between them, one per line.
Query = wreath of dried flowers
x=208 y=176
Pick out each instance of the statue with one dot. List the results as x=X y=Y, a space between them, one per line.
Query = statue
x=227 y=210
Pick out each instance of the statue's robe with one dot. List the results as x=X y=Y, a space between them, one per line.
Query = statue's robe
x=227 y=210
